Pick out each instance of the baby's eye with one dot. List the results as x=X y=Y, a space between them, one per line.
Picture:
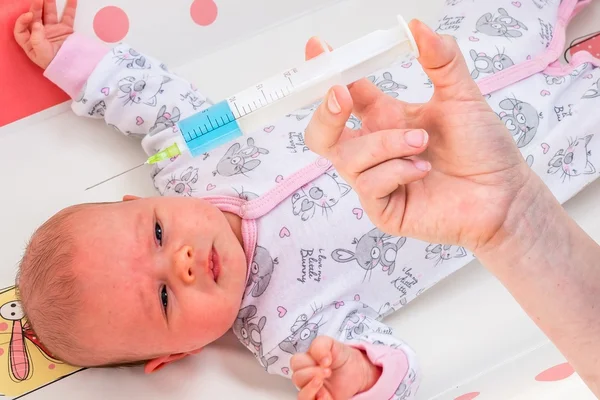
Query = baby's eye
x=158 y=233
x=164 y=298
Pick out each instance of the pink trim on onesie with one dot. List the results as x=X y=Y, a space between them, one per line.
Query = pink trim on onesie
x=75 y=62
x=579 y=58
x=394 y=364
x=527 y=68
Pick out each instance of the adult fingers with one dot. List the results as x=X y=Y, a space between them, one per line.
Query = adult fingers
x=375 y=184
x=68 y=17
x=352 y=157
x=363 y=91
x=37 y=7
x=310 y=390
x=50 y=13
x=21 y=32
x=329 y=121
x=443 y=63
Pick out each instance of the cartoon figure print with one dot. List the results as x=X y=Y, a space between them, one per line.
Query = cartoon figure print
x=387 y=85
x=165 y=119
x=249 y=333
x=305 y=111
x=142 y=91
x=593 y=92
x=521 y=119
x=443 y=252
x=193 y=99
x=501 y=25
x=354 y=325
x=304 y=331
x=245 y=195
x=372 y=249
x=98 y=110
x=322 y=193
x=574 y=160
x=131 y=58
x=405 y=388
x=21 y=368
x=354 y=123
x=261 y=270
x=182 y=186
x=485 y=64
x=560 y=79
x=239 y=160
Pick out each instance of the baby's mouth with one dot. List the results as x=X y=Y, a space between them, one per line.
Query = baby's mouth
x=214 y=265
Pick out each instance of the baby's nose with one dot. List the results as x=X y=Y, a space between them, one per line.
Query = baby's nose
x=185 y=264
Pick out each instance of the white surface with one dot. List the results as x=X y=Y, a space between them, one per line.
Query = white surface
x=466 y=328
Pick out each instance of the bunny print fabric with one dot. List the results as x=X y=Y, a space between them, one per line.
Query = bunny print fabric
x=316 y=264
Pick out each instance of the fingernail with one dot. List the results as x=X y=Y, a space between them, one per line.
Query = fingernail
x=332 y=103
x=417 y=138
x=327 y=372
x=317 y=382
x=422 y=165
x=326 y=361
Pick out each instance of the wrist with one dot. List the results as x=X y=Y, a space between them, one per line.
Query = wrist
x=532 y=213
x=370 y=373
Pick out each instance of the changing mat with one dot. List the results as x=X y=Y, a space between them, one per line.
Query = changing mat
x=25 y=365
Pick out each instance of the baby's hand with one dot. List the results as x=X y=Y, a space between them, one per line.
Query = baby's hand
x=40 y=33
x=331 y=370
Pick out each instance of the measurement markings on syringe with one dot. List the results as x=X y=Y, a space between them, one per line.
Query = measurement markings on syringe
x=238 y=106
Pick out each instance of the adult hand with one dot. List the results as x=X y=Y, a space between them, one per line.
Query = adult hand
x=445 y=171
x=40 y=33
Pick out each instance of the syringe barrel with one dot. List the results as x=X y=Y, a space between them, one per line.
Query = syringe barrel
x=342 y=66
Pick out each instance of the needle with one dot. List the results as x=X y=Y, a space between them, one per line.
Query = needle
x=116 y=176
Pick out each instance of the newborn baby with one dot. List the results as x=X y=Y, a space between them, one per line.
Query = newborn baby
x=260 y=235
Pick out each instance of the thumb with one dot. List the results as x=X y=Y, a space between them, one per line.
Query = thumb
x=38 y=34
x=329 y=122
x=443 y=63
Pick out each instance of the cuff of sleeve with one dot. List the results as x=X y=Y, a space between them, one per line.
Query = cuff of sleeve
x=394 y=364
x=75 y=62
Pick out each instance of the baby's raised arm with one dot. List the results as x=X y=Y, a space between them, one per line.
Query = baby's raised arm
x=135 y=94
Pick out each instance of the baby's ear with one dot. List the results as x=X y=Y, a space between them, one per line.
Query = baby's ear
x=129 y=197
x=160 y=362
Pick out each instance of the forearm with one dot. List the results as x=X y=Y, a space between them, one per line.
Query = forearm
x=552 y=268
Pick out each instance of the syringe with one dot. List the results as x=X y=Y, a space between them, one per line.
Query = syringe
x=288 y=91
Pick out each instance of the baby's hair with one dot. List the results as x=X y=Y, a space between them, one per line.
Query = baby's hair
x=47 y=286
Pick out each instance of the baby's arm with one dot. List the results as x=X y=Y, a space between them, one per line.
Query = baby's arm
x=133 y=93
x=367 y=362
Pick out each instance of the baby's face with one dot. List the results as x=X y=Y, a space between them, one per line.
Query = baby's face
x=158 y=276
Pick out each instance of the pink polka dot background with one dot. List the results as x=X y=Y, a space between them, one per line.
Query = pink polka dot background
x=1 y=351
x=3 y=326
x=111 y=24
x=204 y=12
x=468 y=396
x=556 y=373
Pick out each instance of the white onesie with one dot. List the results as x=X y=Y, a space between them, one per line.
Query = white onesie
x=316 y=264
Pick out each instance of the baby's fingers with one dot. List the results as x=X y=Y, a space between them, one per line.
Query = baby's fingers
x=321 y=350
x=50 y=13
x=68 y=17
x=302 y=360
x=21 y=32
x=302 y=377
x=310 y=390
x=37 y=8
